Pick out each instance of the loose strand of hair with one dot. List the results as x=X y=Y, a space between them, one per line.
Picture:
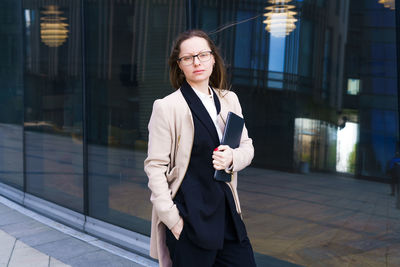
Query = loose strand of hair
x=231 y=24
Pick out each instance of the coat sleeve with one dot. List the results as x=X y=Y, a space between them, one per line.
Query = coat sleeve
x=156 y=165
x=243 y=155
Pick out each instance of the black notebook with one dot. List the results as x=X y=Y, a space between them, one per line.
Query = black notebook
x=232 y=135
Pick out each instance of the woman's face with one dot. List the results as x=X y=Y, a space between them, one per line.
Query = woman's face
x=199 y=69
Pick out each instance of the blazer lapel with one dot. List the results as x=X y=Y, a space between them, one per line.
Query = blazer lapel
x=198 y=109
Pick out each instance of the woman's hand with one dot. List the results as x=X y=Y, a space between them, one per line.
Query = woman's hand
x=222 y=157
x=177 y=229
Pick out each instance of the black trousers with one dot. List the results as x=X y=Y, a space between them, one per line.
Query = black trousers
x=236 y=251
x=184 y=253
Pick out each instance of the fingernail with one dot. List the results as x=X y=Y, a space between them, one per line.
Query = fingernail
x=216 y=149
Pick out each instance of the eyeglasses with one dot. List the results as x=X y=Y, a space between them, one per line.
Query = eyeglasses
x=202 y=56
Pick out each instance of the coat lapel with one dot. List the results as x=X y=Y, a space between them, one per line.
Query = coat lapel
x=198 y=109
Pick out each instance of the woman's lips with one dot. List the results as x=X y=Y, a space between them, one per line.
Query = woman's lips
x=198 y=71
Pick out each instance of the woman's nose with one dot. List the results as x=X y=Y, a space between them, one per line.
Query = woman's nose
x=196 y=61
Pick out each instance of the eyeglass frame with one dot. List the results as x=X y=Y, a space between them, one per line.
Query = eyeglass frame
x=211 y=52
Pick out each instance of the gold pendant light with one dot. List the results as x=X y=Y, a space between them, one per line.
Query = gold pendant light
x=388 y=3
x=53 y=29
x=280 y=18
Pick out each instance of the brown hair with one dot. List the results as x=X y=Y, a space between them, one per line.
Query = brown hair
x=218 y=76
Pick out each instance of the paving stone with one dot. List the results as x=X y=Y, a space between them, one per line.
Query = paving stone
x=374 y=257
x=264 y=260
x=43 y=236
x=24 y=228
x=66 y=249
x=4 y=208
x=100 y=258
x=317 y=254
x=56 y=263
x=23 y=255
x=7 y=244
x=394 y=261
x=339 y=261
x=12 y=217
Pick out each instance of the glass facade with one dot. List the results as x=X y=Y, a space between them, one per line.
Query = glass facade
x=11 y=95
x=127 y=46
x=319 y=97
x=371 y=51
x=53 y=104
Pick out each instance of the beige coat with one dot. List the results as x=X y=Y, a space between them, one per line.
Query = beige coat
x=171 y=134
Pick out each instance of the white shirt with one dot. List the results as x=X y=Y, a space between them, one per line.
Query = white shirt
x=209 y=104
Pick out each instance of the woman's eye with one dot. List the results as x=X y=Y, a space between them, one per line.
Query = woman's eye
x=186 y=58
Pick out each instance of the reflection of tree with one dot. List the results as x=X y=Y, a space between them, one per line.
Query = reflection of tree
x=331 y=161
x=369 y=165
x=351 y=161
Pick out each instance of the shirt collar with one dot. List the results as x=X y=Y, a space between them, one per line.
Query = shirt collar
x=202 y=95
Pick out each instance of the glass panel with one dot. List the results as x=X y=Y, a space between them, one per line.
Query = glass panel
x=53 y=102
x=335 y=112
x=321 y=104
x=11 y=94
x=353 y=86
x=128 y=44
x=377 y=73
x=327 y=63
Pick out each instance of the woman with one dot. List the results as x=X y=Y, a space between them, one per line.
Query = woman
x=196 y=220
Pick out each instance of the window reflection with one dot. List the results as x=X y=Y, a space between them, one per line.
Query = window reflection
x=369 y=58
x=280 y=18
x=301 y=94
x=53 y=107
x=315 y=145
x=11 y=95
x=321 y=99
x=388 y=3
x=353 y=86
x=53 y=26
x=128 y=44
x=11 y=158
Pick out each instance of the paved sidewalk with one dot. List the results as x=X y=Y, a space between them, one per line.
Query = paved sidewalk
x=28 y=242
x=14 y=253
x=320 y=219
x=292 y=219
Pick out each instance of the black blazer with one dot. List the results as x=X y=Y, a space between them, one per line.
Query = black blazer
x=202 y=201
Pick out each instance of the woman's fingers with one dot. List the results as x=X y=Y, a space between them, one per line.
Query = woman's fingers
x=177 y=229
x=222 y=158
x=218 y=168
x=223 y=147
